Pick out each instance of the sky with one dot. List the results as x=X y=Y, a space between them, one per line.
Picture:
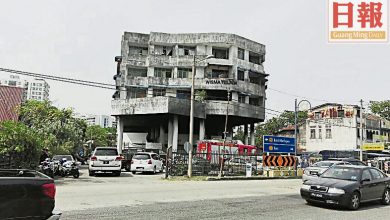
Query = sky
x=79 y=39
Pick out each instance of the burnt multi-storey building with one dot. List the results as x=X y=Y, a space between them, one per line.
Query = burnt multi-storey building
x=154 y=79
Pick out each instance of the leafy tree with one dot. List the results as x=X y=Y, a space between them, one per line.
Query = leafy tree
x=101 y=136
x=274 y=124
x=20 y=143
x=61 y=132
x=381 y=108
x=239 y=135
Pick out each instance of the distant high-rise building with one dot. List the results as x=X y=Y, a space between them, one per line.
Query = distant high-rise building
x=104 y=121
x=35 y=89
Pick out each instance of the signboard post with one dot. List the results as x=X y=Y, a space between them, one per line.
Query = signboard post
x=278 y=144
x=248 y=169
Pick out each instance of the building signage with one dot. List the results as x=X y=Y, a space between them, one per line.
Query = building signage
x=277 y=144
x=358 y=20
x=221 y=82
x=373 y=146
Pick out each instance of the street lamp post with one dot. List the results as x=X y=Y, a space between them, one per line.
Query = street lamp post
x=191 y=134
x=296 y=128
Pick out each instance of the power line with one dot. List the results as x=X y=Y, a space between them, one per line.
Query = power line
x=61 y=79
x=309 y=98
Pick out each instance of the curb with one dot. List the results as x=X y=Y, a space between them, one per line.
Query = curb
x=250 y=178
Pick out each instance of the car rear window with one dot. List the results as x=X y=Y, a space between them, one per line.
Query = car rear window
x=343 y=173
x=141 y=156
x=106 y=152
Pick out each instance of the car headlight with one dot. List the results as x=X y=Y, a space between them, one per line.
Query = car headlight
x=336 y=191
x=305 y=187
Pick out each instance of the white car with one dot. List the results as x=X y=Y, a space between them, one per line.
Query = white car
x=146 y=162
x=318 y=168
x=105 y=159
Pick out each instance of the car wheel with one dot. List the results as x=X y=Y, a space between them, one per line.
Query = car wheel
x=91 y=173
x=309 y=202
x=354 y=202
x=117 y=173
x=386 y=197
x=133 y=172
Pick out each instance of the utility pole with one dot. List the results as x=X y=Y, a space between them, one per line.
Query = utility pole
x=361 y=130
x=224 y=135
x=295 y=134
x=191 y=138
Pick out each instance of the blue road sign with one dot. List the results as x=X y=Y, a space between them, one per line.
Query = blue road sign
x=277 y=144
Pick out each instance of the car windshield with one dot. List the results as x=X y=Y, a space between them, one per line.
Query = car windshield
x=342 y=173
x=141 y=156
x=59 y=157
x=106 y=152
x=323 y=164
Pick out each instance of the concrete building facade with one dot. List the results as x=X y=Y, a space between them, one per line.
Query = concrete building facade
x=333 y=126
x=154 y=78
x=105 y=121
x=34 y=89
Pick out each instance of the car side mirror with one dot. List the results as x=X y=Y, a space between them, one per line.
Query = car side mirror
x=365 y=180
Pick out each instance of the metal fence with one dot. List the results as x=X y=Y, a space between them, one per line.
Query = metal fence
x=209 y=164
x=6 y=162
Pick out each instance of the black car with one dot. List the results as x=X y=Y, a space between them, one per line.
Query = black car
x=348 y=186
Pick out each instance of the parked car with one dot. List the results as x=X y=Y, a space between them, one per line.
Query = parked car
x=26 y=193
x=105 y=159
x=146 y=162
x=237 y=165
x=352 y=161
x=348 y=186
x=318 y=168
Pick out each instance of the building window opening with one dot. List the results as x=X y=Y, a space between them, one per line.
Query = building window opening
x=218 y=74
x=319 y=132
x=241 y=54
x=255 y=78
x=134 y=93
x=220 y=95
x=159 y=92
x=240 y=75
x=184 y=72
x=317 y=115
x=137 y=72
x=163 y=73
x=186 y=50
x=143 y=51
x=183 y=94
x=221 y=53
x=241 y=98
x=312 y=132
x=255 y=101
x=256 y=58
x=328 y=134
x=163 y=50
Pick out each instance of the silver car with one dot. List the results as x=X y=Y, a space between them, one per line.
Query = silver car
x=318 y=168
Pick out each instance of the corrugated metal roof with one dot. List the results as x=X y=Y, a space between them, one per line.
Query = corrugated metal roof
x=10 y=99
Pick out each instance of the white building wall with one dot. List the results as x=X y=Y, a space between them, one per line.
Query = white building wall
x=343 y=135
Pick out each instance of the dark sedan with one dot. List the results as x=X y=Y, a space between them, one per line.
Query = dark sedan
x=348 y=186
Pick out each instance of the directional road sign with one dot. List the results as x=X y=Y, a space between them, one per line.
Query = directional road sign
x=278 y=144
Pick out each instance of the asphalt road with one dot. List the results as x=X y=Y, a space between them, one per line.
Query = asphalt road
x=150 y=197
